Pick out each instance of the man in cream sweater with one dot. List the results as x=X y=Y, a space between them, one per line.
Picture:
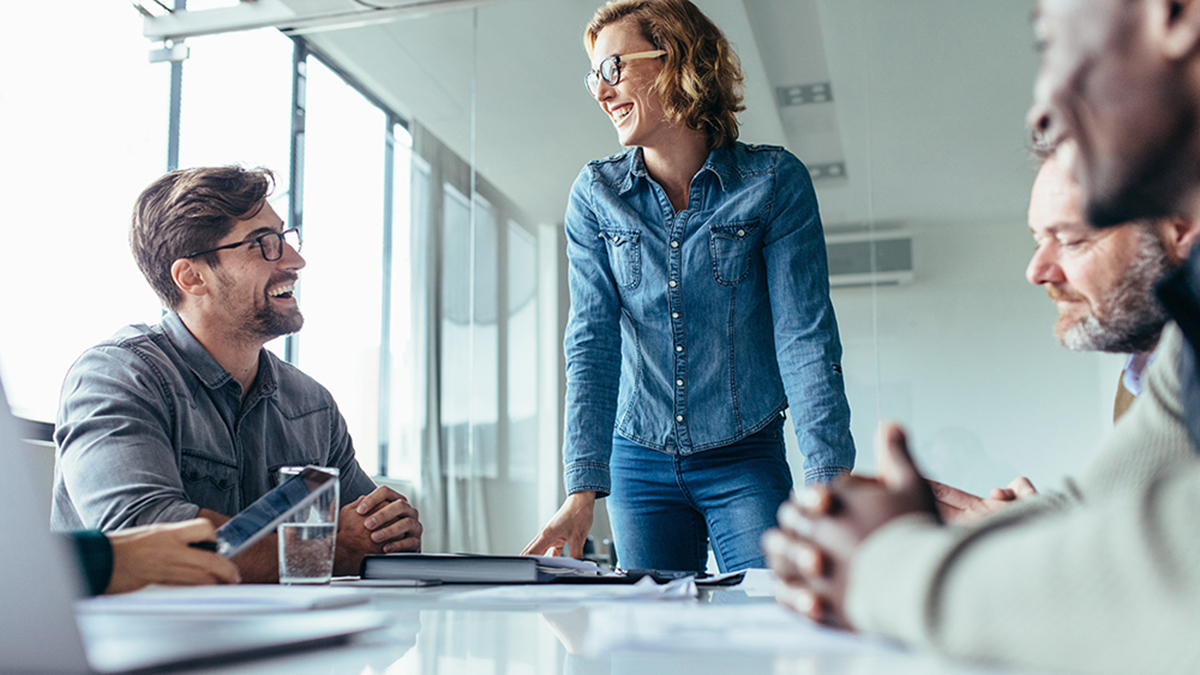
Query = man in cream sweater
x=1104 y=577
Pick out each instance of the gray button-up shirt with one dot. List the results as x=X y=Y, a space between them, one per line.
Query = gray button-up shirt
x=152 y=429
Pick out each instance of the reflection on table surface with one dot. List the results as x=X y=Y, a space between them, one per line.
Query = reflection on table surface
x=466 y=629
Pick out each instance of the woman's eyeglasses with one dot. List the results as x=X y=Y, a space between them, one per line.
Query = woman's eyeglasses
x=270 y=245
x=610 y=69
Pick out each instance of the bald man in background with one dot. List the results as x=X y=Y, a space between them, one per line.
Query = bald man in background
x=1102 y=280
x=1106 y=578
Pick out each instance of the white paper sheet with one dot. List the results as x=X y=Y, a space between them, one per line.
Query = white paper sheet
x=243 y=599
x=758 y=583
x=644 y=589
x=756 y=627
x=571 y=563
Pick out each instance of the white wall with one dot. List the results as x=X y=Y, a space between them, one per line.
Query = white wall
x=968 y=363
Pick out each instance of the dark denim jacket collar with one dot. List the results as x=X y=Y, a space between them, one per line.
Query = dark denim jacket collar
x=718 y=163
x=212 y=374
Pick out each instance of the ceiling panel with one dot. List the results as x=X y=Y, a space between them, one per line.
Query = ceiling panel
x=928 y=96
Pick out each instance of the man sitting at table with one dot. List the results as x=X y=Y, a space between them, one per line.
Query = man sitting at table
x=1107 y=578
x=194 y=416
x=1102 y=281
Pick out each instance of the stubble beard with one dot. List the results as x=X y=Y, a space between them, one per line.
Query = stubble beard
x=1129 y=319
x=264 y=323
x=269 y=323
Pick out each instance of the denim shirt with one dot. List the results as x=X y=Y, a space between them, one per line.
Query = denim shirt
x=152 y=429
x=692 y=330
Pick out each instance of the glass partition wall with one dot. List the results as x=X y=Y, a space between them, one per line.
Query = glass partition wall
x=910 y=118
x=953 y=342
x=84 y=130
x=428 y=160
x=470 y=427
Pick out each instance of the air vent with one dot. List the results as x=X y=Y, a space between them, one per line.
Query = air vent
x=850 y=259
x=804 y=94
x=826 y=171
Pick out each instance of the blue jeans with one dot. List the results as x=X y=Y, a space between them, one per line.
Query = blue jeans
x=664 y=507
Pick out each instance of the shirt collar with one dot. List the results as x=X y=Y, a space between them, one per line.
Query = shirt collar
x=206 y=368
x=718 y=162
x=1135 y=368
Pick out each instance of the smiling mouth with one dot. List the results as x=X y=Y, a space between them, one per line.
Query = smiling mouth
x=619 y=114
x=1066 y=306
x=284 y=292
x=1059 y=295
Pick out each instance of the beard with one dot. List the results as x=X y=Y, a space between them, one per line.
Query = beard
x=262 y=322
x=1129 y=319
x=268 y=323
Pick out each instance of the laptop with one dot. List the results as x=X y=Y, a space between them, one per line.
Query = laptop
x=40 y=581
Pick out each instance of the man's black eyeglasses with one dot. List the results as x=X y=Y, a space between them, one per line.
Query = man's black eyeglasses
x=270 y=245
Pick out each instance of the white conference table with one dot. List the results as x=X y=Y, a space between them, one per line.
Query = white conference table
x=530 y=631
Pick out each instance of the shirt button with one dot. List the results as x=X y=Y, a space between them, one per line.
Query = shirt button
x=674 y=315
x=741 y=233
x=679 y=418
x=674 y=244
x=678 y=348
x=672 y=283
x=678 y=383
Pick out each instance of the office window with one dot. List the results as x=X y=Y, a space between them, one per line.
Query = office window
x=405 y=408
x=85 y=130
x=470 y=335
x=485 y=354
x=237 y=103
x=522 y=352
x=456 y=328
x=341 y=287
x=237 y=106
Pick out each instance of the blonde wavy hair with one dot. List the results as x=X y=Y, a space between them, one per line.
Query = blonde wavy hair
x=701 y=83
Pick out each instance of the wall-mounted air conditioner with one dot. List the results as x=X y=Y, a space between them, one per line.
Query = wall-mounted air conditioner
x=850 y=258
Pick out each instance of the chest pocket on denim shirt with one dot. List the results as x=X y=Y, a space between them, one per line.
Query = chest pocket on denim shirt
x=730 y=246
x=209 y=482
x=624 y=256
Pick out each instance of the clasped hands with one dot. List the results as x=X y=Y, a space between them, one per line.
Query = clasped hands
x=379 y=522
x=822 y=526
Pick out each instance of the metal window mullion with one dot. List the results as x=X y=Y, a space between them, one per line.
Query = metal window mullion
x=473 y=325
x=176 y=104
x=291 y=345
x=385 y=321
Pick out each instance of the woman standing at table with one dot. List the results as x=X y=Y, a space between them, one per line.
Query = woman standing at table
x=700 y=308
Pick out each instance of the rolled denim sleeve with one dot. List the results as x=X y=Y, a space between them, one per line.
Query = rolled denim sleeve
x=113 y=433
x=592 y=346
x=807 y=345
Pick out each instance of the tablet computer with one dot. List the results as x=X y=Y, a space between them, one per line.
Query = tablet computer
x=264 y=515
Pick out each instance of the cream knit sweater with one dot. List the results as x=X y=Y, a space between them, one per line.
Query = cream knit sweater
x=1103 y=578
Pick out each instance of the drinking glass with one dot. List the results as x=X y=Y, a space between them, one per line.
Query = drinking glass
x=306 y=540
